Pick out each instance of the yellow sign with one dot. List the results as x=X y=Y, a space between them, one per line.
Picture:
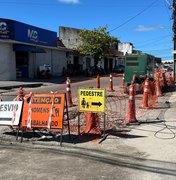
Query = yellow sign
x=91 y=100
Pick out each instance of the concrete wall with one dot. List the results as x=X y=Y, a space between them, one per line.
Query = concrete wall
x=69 y=37
x=125 y=48
x=7 y=62
x=59 y=61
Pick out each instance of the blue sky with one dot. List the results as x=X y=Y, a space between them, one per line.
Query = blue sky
x=145 y=23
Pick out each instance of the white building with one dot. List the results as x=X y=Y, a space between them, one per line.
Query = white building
x=125 y=47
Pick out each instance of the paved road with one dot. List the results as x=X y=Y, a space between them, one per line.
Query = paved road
x=61 y=87
x=111 y=160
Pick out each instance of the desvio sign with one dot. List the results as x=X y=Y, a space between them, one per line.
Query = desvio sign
x=41 y=108
x=10 y=112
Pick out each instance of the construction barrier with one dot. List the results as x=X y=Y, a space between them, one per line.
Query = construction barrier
x=10 y=112
x=100 y=111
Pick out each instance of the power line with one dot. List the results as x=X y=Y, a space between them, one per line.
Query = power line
x=169 y=4
x=169 y=18
x=134 y=16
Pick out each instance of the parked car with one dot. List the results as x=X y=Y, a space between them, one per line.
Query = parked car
x=119 y=69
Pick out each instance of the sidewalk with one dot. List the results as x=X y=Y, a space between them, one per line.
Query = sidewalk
x=30 y=82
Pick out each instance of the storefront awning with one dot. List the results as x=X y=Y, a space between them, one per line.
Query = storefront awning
x=25 y=48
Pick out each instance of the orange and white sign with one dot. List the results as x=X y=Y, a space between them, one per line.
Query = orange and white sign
x=43 y=111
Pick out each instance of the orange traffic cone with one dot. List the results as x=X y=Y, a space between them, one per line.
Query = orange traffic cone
x=131 y=115
x=170 y=80
x=98 y=81
x=68 y=92
x=92 y=124
x=161 y=79
x=111 y=83
x=123 y=81
x=158 y=88
x=20 y=94
x=92 y=119
x=145 y=94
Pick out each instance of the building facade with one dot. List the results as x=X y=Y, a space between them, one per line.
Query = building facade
x=24 y=48
x=70 y=38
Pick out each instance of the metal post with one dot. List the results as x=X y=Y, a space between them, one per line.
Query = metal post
x=174 y=38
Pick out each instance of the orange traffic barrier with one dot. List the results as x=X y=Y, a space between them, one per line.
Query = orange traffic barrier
x=145 y=94
x=98 y=81
x=68 y=92
x=111 y=83
x=131 y=114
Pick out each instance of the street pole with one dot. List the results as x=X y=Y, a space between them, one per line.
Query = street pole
x=174 y=38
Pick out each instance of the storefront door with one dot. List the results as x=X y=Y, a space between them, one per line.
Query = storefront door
x=22 y=64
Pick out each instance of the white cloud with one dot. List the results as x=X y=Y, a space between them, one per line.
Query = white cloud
x=142 y=28
x=69 y=1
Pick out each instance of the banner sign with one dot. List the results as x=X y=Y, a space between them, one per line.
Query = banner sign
x=43 y=110
x=10 y=112
x=14 y=30
x=6 y=29
x=91 y=100
x=31 y=34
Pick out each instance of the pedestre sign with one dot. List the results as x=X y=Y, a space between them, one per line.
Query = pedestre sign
x=91 y=100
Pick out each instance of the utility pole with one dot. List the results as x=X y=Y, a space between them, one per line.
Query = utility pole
x=174 y=37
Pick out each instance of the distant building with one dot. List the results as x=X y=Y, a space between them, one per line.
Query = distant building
x=125 y=47
x=69 y=37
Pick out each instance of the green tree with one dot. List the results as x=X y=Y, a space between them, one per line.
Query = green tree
x=96 y=43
